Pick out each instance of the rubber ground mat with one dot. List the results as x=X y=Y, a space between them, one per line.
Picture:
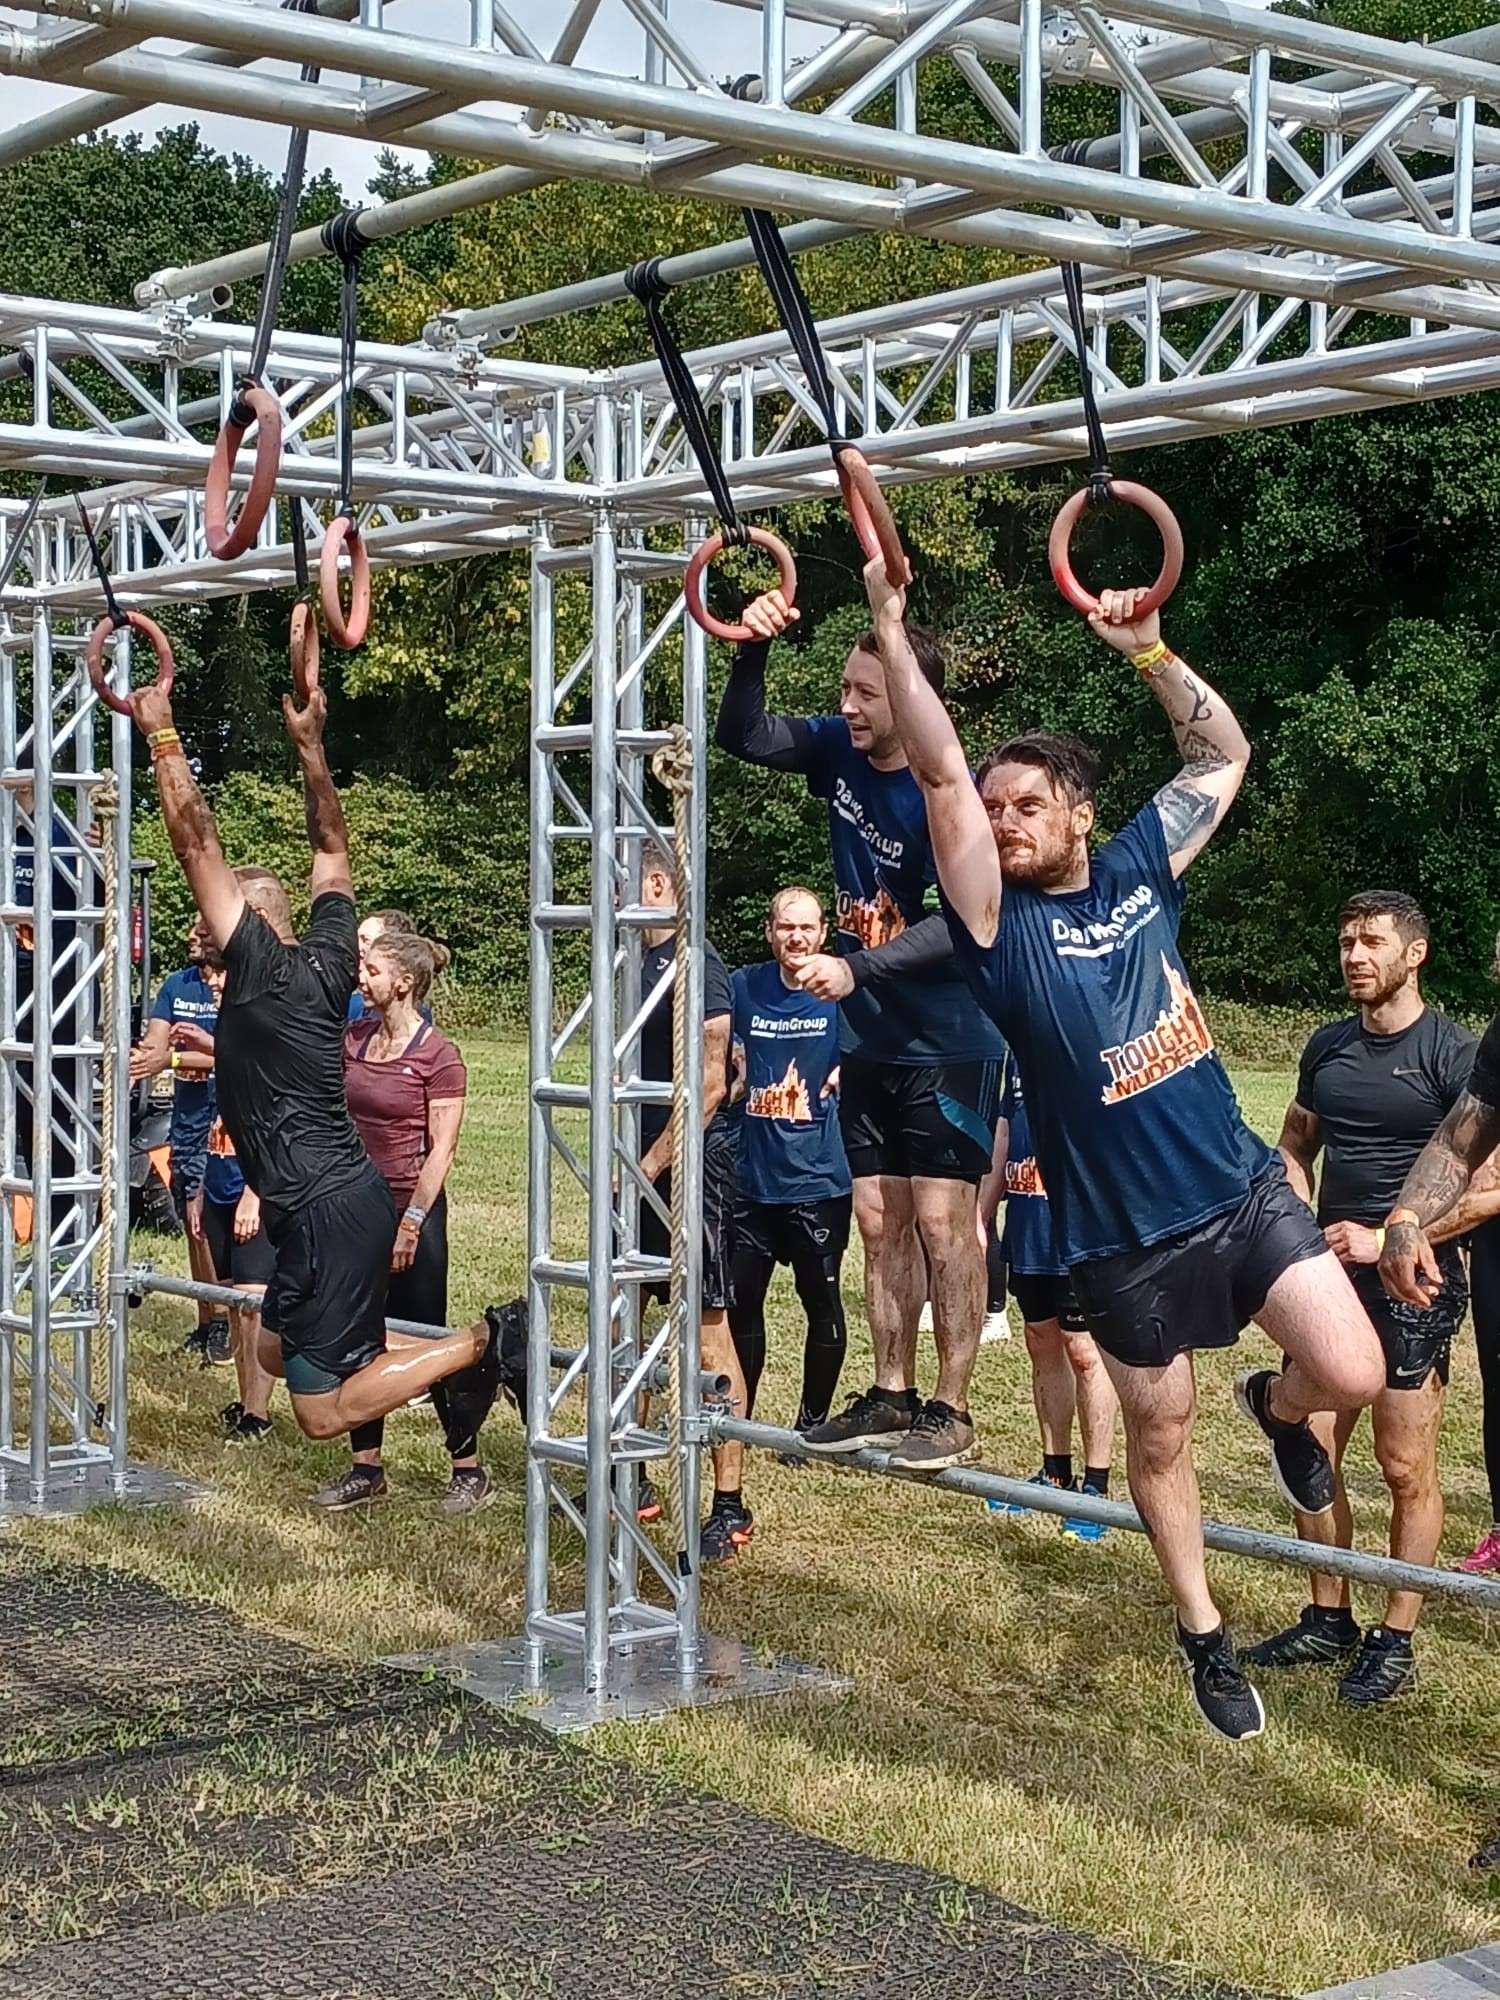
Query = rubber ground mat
x=271 y=1825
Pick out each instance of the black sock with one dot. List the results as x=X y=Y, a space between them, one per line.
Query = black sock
x=727 y=1500
x=468 y=1472
x=1058 y=1466
x=1096 y=1480
x=1337 y=1616
x=1393 y=1638
x=367 y=1437
x=901 y=1399
x=1200 y=1642
x=370 y=1472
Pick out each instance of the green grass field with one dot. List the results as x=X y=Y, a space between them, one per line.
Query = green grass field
x=1018 y=1718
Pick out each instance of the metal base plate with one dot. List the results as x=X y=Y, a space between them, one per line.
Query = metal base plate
x=74 y=1489
x=646 y=1680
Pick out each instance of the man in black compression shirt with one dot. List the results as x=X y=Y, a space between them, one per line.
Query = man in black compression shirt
x=920 y=1065
x=1371 y=1091
x=278 y=1049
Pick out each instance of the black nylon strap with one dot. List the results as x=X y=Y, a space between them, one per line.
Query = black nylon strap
x=342 y=235
x=796 y=317
x=299 y=550
x=281 y=237
x=1101 y=474
x=117 y=617
x=644 y=283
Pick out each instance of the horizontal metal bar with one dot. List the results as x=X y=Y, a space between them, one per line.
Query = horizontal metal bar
x=630 y=1443
x=1256 y=1543
x=579 y=1096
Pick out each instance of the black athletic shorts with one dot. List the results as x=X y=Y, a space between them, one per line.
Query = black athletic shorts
x=252 y=1263
x=1144 y=1307
x=799 y=1233
x=923 y=1121
x=1044 y=1296
x=718 y=1228
x=327 y=1295
x=1417 y=1340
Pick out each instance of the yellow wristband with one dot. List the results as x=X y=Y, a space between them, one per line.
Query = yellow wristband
x=160 y=736
x=175 y=1063
x=1380 y=1239
x=1151 y=657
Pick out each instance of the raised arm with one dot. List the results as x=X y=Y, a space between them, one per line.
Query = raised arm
x=1214 y=749
x=1441 y=1176
x=1300 y=1143
x=744 y=729
x=327 y=835
x=189 y=823
x=963 y=847
x=834 y=976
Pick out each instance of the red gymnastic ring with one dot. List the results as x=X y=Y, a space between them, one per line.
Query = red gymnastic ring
x=345 y=632
x=1126 y=490
x=303 y=647
x=870 y=512
x=102 y=633
x=225 y=541
x=703 y=555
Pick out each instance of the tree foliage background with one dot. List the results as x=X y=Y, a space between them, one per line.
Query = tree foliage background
x=1341 y=587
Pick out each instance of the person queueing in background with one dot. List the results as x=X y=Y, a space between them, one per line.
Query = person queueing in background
x=406 y=1084
x=1068 y=1376
x=179 y=1038
x=920 y=1064
x=1176 y=1222
x=372 y=926
x=226 y=1214
x=280 y=1074
x=1371 y=1091
x=794 y=1190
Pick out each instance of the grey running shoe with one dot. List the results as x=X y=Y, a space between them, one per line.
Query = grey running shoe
x=1318 y=1639
x=360 y=1486
x=875 y=1417
x=1385 y=1667
x=217 y=1351
x=468 y=1492
x=1302 y=1469
x=1226 y=1700
x=940 y=1437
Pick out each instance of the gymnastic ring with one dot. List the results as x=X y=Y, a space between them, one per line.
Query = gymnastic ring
x=1152 y=504
x=870 y=512
x=148 y=628
x=703 y=555
x=349 y=631
x=302 y=644
x=223 y=540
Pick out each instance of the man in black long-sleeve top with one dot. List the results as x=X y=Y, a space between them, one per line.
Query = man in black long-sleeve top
x=919 y=1064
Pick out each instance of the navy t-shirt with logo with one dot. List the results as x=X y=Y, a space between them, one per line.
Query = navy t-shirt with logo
x=185 y=999
x=1028 y=1241
x=882 y=870
x=1137 y=1129
x=791 y=1149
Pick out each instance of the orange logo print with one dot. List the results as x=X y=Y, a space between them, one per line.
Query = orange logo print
x=787 y=1099
x=1024 y=1177
x=874 y=923
x=1179 y=1039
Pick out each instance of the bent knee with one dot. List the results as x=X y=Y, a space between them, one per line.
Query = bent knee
x=318 y=1418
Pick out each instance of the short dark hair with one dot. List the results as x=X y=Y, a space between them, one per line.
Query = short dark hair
x=1068 y=761
x=926 y=647
x=1404 y=911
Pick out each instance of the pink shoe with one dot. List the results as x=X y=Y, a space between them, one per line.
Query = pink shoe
x=1485 y=1561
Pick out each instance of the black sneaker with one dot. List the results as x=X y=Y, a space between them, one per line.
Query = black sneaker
x=1302 y=1469
x=360 y=1486
x=249 y=1429
x=726 y=1531
x=217 y=1352
x=940 y=1437
x=1487 y=1860
x=876 y=1417
x=231 y=1413
x=1385 y=1667
x=1226 y=1700
x=196 y=1343
x=1318 y=1639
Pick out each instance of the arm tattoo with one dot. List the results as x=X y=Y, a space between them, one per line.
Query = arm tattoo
x=1197 y=749
x=1203 y=708
x=1442 y=1171
x=1185 y=810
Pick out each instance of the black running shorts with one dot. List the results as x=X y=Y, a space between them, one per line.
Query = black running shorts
x=799 y=1233
x=718 y=1227
x=252 y=1263
x=327 y=1296
x=1417 y=1341
x=1046 y=1297
x=1145 y=1307
x=919 y=1122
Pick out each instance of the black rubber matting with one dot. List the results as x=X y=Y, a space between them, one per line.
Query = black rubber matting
x=190 y=1810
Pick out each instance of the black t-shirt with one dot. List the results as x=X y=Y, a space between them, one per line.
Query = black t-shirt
x=279 y=1056
x=1485 y=1080
x=656 y=1035
x=1378 y=1100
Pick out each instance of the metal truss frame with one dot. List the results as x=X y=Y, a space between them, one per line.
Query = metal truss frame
x=1278 y=219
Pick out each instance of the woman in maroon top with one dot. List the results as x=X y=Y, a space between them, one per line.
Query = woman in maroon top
x=406 y=1084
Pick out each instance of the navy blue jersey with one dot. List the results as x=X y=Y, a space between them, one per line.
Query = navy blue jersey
x=790 y=1146
x=223 y=1182
x=882 y=870
x=1137 y=1128
x=1028 y=1241
x=186 y=999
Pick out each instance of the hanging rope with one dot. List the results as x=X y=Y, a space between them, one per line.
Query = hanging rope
x=346 y=629
x=253 y=402
x=644 y=282
x=1102 y=486
x=673 y=767
x=106 y=802
x=115 y=620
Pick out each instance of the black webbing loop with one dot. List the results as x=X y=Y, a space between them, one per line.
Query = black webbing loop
x=644 y=282
x=342 y=236
x=281 y=239
x=1101 y=474
x=299 y=551
x=796 y=315
x=117 y=617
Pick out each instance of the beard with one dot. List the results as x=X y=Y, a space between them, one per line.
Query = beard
x=1385 y=987
x=1035 y=868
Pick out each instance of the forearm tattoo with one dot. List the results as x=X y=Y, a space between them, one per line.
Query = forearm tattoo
x=1185 y=809
x=1443 y=1169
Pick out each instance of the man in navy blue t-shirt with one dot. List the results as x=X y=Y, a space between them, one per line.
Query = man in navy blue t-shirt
x=920 y=1065
x=1176 y=1223
x=794 y=1198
